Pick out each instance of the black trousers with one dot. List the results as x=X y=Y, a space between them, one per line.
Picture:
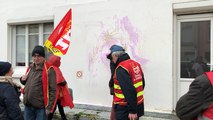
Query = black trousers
x=61 y=111
x=122 y=112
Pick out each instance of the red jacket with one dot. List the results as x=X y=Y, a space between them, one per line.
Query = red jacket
x=208 y=113
x=62 y=91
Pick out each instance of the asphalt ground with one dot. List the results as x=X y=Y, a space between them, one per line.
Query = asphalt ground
x=84 y=114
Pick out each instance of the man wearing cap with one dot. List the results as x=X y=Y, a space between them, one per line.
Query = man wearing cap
x=40 y=87
x=128 y=85
x=9 y=94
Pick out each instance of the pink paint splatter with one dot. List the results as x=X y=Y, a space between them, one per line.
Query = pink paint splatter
x=121 y=32
x=134 y=38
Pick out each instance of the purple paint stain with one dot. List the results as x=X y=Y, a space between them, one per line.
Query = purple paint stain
x=133 y=38
x=130 y=29
x=111 y=35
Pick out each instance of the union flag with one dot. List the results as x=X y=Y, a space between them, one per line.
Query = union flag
x=59 y=40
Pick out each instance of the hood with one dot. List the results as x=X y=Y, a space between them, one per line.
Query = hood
x=122 y=58
x=55 y=60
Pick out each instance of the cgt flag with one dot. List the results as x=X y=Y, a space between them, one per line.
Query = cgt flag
x=59 y=40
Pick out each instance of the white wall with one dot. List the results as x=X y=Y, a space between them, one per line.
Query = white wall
x=13 y=11
x=144 y=28
x=96 y=26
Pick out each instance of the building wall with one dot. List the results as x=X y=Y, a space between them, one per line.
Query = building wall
x=22 y=11
x=144 y=28
x=97 y=25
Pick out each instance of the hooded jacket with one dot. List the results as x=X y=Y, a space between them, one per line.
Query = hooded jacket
x=62 y=91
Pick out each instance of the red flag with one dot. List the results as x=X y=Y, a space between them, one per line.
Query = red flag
x=59 y=40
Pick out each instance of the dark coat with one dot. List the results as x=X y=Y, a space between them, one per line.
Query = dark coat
x=197 y=99
x=33 y=90
x=111 y=82
x=9 y=103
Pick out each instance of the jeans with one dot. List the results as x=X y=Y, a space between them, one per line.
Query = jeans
x=31 y=113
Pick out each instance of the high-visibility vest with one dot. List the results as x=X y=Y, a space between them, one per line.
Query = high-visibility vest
x=208 y=113
x=135 y=71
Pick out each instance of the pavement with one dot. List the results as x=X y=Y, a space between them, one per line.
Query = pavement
x=79 y=113
x=85 y=114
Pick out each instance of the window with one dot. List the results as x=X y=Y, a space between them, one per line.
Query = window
x=25 y=37
x=194 y=48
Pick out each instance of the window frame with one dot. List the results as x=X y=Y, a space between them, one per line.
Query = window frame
x=19 y=70
x=192 y=18
x=181 y=85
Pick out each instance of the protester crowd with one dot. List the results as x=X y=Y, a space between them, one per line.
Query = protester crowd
x=45 y=88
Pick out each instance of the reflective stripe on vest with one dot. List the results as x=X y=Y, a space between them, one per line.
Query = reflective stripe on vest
x=122 y=96
x=135 y=85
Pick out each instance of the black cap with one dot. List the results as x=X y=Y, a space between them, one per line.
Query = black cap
x=4 y=68
x=38 y=50
x=114 y=48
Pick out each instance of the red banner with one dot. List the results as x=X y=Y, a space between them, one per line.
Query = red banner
x=59 y=40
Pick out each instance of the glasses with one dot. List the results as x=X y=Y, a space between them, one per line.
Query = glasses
x=38 y=56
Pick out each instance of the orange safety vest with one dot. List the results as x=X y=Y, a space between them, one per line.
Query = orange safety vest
x=208 y=113
x=135 y=71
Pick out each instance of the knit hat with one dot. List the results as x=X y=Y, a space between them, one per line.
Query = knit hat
x=4 y=68
x=38 y=50
x=114 y=48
